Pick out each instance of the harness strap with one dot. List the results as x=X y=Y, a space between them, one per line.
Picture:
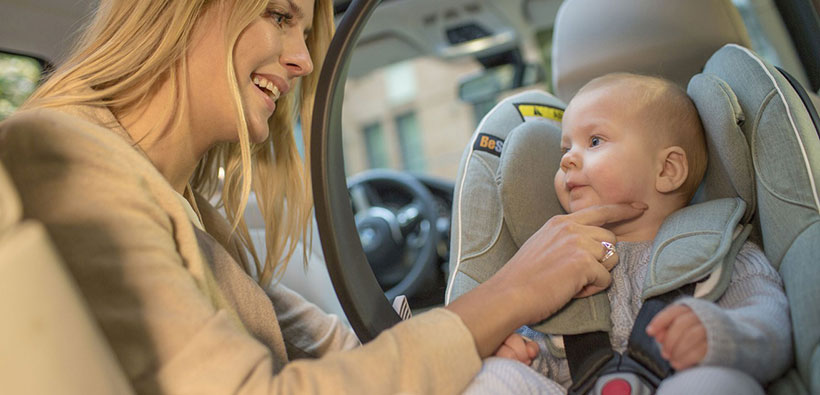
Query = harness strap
x=642 y=347
x=590 y=355
x=587 y=354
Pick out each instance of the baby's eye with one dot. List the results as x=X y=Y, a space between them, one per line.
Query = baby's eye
x=564 y=150
x=594 y=141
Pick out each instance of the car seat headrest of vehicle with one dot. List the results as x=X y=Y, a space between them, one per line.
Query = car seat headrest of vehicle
x=729 y=171
x=11 y=209
x=668 y=38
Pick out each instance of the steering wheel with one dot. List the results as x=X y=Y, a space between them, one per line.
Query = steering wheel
x=360 y=294
x=397 y=234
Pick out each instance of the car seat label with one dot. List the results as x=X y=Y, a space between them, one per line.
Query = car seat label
x=539 y=110
x=488 y=143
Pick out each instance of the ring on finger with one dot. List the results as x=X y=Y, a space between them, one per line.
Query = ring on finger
x=610 y=250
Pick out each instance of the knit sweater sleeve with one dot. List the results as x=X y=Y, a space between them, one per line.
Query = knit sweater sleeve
x=749 y=327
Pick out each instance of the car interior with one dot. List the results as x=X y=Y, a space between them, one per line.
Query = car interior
x=402 y=199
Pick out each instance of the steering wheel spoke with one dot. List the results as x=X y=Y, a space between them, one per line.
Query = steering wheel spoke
x=409 y=216
x=398 y=237
x=363 y=197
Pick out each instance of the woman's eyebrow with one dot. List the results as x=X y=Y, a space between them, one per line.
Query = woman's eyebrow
x=297 y=12
x=294 y=8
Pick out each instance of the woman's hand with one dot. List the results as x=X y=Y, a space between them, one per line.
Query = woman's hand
x=560 y=261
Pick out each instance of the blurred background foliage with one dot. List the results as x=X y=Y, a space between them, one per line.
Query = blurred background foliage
x=18 y=78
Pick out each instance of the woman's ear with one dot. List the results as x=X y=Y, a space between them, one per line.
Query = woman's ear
x=674 y=169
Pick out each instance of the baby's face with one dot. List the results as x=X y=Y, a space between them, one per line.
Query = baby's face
x=609 y=156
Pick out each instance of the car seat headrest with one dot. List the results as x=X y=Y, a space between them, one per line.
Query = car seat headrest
x=529 y=130
x=730 y=171
x=783 y=145
x=525 y=179
x=478 y=227
x=11 y=210
x=672 y=39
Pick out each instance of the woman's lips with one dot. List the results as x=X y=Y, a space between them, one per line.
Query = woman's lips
x=269 y=103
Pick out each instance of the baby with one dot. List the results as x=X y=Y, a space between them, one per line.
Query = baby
x=631 y=138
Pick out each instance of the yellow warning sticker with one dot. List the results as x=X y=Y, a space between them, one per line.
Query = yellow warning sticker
x=540 y=110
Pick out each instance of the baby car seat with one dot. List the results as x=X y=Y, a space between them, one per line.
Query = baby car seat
x=763 y=178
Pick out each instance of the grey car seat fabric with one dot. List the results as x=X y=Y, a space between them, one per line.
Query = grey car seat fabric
x=49 y=343
x=785 y=152
x=595 y=37
x=479 y=231
x=763 y=148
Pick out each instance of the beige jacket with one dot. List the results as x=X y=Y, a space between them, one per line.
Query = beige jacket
x=177 y=309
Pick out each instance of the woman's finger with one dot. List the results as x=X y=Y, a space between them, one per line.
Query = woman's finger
x=596 y=233
x=599 y=276
x=609 y=260
x=597 y=250
x=605 y=214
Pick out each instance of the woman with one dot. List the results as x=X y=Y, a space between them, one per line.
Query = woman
x=114 y=152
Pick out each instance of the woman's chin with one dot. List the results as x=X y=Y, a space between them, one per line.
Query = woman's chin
x=258 y=138
x=258 y=132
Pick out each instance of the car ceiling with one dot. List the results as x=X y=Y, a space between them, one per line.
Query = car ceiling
x=45 y=28
x=425 y=23
x=41 y=28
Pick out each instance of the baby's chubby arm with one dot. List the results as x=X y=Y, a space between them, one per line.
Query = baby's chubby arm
x=516 y=347
x=748 y=328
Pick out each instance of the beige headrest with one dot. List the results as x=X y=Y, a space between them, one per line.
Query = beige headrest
x=667 y=38
x=10 y=209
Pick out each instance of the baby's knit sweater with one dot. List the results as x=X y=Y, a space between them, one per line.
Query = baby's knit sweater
x=748 y=328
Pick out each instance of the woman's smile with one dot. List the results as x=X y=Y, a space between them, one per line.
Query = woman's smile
x=270 y=88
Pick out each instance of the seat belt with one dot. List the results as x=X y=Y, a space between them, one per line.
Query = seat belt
x=592 y=360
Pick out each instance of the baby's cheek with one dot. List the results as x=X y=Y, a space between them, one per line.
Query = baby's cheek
x=621 y=189
x=560 y=191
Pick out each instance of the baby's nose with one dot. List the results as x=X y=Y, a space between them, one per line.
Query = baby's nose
x=569 y=159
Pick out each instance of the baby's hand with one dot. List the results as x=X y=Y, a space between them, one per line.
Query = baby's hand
x=518 y=348
x=681 y=336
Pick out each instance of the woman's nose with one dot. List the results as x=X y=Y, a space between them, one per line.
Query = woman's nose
x=296 y=58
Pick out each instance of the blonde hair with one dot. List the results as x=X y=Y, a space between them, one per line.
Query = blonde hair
x=667 y=105
x=131 y=47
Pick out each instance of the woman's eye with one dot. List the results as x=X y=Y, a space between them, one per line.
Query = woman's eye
x=594 y=141
x=281 y=18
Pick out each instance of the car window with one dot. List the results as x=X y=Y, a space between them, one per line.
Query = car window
x=407 y=116
x=18 y=79
x=769 y=36
x=417 y=114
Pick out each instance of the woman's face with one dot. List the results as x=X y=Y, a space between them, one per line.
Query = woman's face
x=269 y=56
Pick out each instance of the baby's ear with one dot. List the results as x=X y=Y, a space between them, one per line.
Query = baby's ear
x=674 y=168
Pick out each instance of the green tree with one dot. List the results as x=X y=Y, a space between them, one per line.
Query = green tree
x=18 y=78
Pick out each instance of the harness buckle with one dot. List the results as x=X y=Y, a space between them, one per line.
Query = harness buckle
x=620 y=375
